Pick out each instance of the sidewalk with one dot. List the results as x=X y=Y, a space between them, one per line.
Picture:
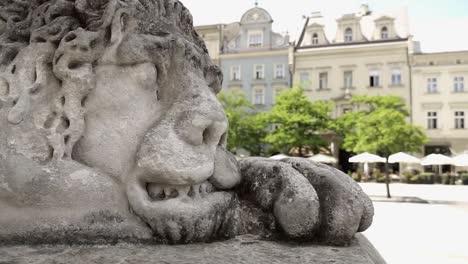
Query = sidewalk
x=408 y=232
x=433 y=193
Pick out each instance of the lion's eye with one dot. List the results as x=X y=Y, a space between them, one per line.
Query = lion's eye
x=214 y=78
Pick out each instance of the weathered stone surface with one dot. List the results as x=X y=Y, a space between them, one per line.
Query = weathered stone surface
x=244 y=249
x=277 y=187
x=110 y=130
x=344 y=208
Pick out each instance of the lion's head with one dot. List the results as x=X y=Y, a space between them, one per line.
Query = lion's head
x=125 y=87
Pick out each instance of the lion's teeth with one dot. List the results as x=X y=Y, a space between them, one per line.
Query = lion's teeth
x=209 y=187
x=183 y=190
x=203 y=188
x=161 y=192
x=196 y=190
x=154 y=190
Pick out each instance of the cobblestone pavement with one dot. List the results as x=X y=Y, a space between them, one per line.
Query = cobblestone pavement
x=433 y=232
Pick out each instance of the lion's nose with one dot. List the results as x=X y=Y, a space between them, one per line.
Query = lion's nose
x=207 y=125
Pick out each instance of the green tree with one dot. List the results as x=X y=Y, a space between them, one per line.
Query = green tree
x=246 y=128
x=298 y=122
x=381 y=126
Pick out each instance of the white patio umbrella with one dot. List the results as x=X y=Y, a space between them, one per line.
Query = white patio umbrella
x=437 y=160
x=366 y=158
x=323 y=159
x=402 y=157
x=461 y=160
x=279 y=157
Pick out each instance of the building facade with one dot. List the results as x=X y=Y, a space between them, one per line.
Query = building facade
x=353 y=64
x=440 y=104
x=380 y=59
x=252 y=57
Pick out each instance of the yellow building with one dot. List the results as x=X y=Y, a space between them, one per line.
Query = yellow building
x=353 y=64
x=213 y=37
x=440 y=103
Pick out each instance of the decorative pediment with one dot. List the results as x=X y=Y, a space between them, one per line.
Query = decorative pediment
x=256 y=15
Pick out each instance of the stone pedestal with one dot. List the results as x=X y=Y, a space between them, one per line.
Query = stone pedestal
x=244 y=249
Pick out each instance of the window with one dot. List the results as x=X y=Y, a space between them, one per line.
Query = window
x=396 y=77
x=348 y=35
x=259 y=96
x=432 y=85
x=315 y=40
x=459 y=84
x=459 y=120
x=255 y=39
x=374 y=79
x=431 y=120
x=323 y=80
x=277 y=92
x=384 y=33
x=235 y=73
x=348 y=79
x=279 y=71
x=259 y=71
x=304 y=79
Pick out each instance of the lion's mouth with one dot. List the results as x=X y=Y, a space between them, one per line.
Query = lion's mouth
x=182 y=214
x=158 y=192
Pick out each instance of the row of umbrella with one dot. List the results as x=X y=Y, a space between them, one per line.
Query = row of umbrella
x=401 y=157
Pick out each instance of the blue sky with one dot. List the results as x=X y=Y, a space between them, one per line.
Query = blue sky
x=440 y=25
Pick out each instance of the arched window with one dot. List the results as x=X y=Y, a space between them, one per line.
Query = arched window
x=315 y=40
x=384 y=33
x=348 y=35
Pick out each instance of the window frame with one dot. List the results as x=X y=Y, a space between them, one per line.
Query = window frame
x=374 y=79
x=233 y=73
x=345 y=82
x=323 y=80
x=305 y=83
x=432 y=120
x=283 y=71
x=432 y=86
x=262 y=72
x=460 y=120
x=259 y=41
x=315 y=39
x=348 y=35
x=458 y=84
x=396 y=77
x=384 y=34
x=255 y=94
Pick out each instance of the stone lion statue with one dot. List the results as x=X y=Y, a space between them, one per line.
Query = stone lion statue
x=110 y=131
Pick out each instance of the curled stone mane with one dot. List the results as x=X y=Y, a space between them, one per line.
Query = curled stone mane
x=50 y=48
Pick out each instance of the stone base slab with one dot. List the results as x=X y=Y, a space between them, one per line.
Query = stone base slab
x=243 y=249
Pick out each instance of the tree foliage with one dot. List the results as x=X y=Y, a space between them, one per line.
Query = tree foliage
x=298 y=122
x=246 y=128
x=381 y=126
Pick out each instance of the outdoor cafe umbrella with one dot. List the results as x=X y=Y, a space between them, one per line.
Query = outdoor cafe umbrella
x=461 y=160
x=366 y=158
x=402 y=157
x=322 y=158
x=279 y=157
x=437 y=160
